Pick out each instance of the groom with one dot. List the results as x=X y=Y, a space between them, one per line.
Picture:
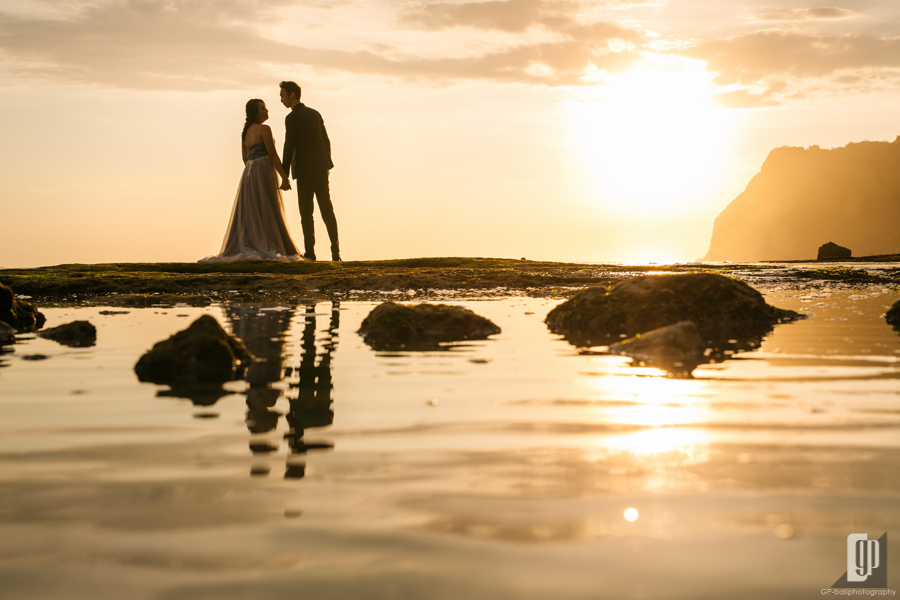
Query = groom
x=307 y=151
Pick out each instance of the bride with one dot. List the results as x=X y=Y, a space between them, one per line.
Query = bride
x=257 y=230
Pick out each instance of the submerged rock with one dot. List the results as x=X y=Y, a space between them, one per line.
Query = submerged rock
x=893 y=315
x=831 y=251
x=204 y=353
x=7 y=334
x=677 y=348
x=395 y=326
x=77 y=334
x=721 y=307
x=20 y=314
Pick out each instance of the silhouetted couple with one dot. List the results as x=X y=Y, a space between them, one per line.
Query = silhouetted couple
x=257 y=229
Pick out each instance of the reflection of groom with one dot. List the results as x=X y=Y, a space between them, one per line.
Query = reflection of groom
x=308 y=151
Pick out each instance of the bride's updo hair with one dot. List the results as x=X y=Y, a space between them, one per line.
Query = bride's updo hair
x=252 y=108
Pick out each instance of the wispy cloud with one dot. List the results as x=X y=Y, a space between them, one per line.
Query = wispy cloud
x=140 y=44
x=754 y=57
x=500 y=15
x=807 y=14
x=229 y=44
x=206 y=44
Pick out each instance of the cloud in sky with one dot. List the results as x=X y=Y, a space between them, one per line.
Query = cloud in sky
x=807 y=14
x=190 y=44
x=228 y=44
x=501 y=15
x=751 y=58
x=201 y=44
x=504 y=15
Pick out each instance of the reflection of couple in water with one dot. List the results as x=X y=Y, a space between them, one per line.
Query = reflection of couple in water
x=257 y=229
x=262 y=330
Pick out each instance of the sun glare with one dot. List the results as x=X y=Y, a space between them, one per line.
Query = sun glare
x=651 y=139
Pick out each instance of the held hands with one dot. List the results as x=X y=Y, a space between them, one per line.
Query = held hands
x=285 y=184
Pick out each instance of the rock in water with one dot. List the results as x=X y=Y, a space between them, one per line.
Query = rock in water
x=831 y=251
x=77 y=334
x=721 y=307
x=395 y=326
x=20 y=314
x=7 y=334
x=893 y=315
x=677 y=349
x=204 y=353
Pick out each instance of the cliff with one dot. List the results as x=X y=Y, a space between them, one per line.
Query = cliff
x=803 y=198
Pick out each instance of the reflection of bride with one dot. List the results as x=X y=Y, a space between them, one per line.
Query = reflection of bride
x=257 y=230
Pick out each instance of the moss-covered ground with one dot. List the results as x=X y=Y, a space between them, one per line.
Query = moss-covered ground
x=258 y=280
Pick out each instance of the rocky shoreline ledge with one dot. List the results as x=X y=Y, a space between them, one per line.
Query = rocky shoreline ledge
x=420 y=278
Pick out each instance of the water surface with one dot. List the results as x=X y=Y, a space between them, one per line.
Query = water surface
x=490 y=469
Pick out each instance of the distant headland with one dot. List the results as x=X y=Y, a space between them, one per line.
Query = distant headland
x=803 y=198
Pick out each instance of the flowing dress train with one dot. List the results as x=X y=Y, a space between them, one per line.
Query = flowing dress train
x=257 y=229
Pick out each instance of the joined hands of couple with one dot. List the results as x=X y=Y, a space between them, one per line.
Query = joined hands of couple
x=285 y=184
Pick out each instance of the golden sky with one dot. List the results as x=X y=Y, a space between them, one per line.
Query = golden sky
x=546 y=129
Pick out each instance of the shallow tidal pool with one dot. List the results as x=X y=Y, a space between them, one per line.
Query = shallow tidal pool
x=516 y=467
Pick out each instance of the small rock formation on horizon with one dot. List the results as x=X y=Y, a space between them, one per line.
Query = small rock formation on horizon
x=831 y=251
x=802 y=196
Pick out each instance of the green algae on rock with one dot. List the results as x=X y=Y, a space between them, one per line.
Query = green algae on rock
x=397 y=326
x=720 y=306
x=19 y=314
x=204 y=353
x=846 y=274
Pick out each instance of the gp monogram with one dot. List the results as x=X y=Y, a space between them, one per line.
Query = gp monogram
x=866 y=562
x=862 y=556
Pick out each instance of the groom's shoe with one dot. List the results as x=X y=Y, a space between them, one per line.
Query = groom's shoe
x=336 y=258
x=309 y=256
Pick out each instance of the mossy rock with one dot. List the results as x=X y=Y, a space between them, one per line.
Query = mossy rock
x=204 y=353
x=720 y=306
x=423 y=326
x=19 y=314
x=77 y=334
x=7 y=334
x=893 y=315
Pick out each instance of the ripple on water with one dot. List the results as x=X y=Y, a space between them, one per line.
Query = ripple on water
x=500 y=468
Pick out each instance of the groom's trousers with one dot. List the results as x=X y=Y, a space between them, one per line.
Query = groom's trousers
x=316 y=184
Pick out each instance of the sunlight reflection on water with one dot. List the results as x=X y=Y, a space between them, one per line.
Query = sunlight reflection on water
x=489 y=469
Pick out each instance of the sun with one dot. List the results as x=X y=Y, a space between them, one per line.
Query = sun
x=652 y=140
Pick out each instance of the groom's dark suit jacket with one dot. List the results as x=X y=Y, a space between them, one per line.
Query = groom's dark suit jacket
x=306 y=145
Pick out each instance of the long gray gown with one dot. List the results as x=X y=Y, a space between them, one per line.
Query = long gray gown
x=257 y=229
